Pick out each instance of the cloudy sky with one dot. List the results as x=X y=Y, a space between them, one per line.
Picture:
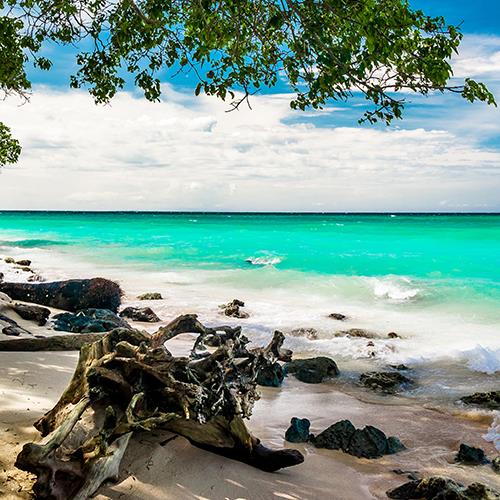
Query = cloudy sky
x=187 y=153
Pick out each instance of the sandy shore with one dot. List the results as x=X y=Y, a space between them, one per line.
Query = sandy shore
x=30 y=383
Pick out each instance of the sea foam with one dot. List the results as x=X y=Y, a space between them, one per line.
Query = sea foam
x=264 y=261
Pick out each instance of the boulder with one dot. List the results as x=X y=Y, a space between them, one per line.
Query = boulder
x=357 y=333
x=145 y=314
x=89 y=321
x=312 y=370
x=70 y=295
x=495 y=463
x=388 y=382
x=470 y=455
x=298 y=432
x=442 y=488
x=150 y=296
x=368 y=442
x=9 y=260
x=489 y=400
x=23 y=262
x=32 y=313
x=335 y=437
x=338 y=316
x=308 y=333
x=270 y=375
x=233 y=309
x=393 y=335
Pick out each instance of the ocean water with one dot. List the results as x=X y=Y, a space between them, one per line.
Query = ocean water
x=434 y=279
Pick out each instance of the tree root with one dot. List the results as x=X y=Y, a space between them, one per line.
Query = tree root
x=127 y=381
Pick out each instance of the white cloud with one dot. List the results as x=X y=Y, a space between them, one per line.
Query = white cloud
x=190 y=154
x=479 y=56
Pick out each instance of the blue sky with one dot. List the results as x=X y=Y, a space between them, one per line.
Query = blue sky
x=445 y=154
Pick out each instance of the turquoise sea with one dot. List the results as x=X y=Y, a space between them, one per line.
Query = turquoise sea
x=434 y=276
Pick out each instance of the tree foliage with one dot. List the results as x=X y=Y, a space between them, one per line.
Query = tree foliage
x=324 y=49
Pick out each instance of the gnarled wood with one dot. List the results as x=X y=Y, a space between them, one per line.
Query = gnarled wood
x=127 y=381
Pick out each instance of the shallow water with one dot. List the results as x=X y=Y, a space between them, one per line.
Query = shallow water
x=433 y=279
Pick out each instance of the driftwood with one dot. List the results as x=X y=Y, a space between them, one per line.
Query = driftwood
x=70 y=342
x=70 y=295
x=127 y=381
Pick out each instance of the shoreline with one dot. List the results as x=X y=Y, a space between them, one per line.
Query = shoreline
x=179 y=470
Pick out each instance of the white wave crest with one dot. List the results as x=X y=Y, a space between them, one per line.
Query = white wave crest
x=264 y=261
x=482 y=359
x=394 y=290
x=493 y=434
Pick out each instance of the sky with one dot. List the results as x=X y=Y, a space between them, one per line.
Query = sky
x=188 y=153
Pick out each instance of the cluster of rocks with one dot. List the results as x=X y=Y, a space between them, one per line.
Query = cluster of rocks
x=368 y=442
x=442 y=488
x=89 y=321
x=234 y=309
x=23 y=265
x=488 y=400
x=387 y=382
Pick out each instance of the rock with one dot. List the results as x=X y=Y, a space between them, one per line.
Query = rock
x=442 y=488
x=312 y=370
x=338 y=316
x=145 y=314
x=335 y=437
x=471 y=456
x=150 y=296
x=1 y=276
x=495 y=463
x=285 y=355
x=23 y=262
x=11 y=328
x=35 y=278
x=9 y=260
x=89 y=321
x=490 y=400
x=356 y=333
x=393 y=335
x=389 y=382
x=309 y=333
x=368 y=442
x=70 y=295
x=32 y=313
x=401 y=368
x=298 y=432
x=271 y=375
x=233 y=310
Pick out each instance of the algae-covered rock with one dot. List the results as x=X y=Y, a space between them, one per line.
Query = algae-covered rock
x=144 y=314
x=335 y=437
x=389 y=382
x=89 y=321
x=490 y=400
x=471 y=456
x=150 y=296
x=298 y=432
x=442 y=488
x=312 y=370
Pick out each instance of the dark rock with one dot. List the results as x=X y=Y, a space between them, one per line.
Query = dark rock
x=309 y=333
x=385 y=381
x=338 y=316
x=11 y=328
x=368 y=442
x=400 y=368
x=35 y=278
x=23 y=262
x=335 y=437
x=89 y=321
x=1 y=276
x=356 y=333
x=471 y=456
x=298 y=432
x=70 y=295
x=441 y=488
x=26 y=269
x=150 y=296
x=490 y=400
x=9 y=260
x=285 y=355
x=271 y=375
x=394 y=445
x=495 y=463
x=233 y=310
x=393 y=335
x=312 y=370
x=145 y=314
x=32 y=313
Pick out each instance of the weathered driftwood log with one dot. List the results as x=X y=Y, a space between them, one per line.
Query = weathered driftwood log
x=53 y=343
x=127 y=381
x=70 y=295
